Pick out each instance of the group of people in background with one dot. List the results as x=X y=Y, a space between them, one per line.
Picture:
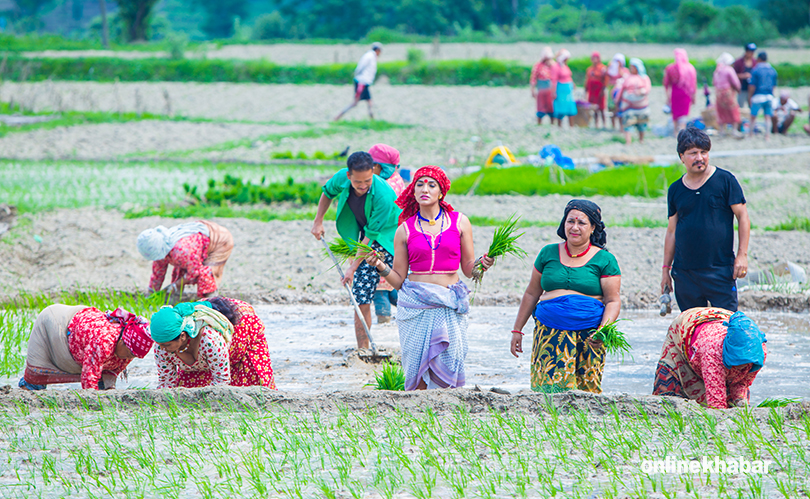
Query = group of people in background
x=623 y=88
x=553 y=87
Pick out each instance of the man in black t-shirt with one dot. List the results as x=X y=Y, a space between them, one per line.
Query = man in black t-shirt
x=699 y=245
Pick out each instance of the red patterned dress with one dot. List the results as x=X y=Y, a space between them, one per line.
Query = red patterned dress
x=92 y=342
x=691 y=363
x=245 y=362
x=723 y=385
x=187 y=258
x=249 y=353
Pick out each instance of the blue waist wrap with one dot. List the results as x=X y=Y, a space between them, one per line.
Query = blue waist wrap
x=570 y=312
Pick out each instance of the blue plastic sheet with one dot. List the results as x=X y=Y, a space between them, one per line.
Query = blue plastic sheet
x=552 y=151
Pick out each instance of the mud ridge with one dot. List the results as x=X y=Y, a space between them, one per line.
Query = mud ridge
x=440 y=402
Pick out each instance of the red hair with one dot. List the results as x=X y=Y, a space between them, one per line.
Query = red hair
x=407 y=200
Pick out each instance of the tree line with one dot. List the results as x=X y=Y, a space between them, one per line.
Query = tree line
x=699 y=21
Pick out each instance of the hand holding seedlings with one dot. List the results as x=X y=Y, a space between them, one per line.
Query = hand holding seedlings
x=609 y=336
x=503 y=243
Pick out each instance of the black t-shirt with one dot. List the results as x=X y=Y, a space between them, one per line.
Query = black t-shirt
x=704 y=235
x=358 y=206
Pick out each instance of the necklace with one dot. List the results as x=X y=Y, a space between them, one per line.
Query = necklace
x=431 y=222
x=441 y=231
x=579 y=255
x=185 y=348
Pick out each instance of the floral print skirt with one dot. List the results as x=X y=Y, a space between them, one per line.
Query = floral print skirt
x=562 y=360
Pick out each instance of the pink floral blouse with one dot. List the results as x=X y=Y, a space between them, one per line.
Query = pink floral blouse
x=213 y=356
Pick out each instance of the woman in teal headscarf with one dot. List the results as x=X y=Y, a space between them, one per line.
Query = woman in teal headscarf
x=193 y=341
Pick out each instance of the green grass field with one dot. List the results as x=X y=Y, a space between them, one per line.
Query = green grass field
x=645 y=181
x=181 y=450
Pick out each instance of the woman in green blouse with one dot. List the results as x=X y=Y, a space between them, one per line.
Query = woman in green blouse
x=574 y=289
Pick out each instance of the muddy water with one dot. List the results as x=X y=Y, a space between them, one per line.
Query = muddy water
x=308 y=347
x=303 y=339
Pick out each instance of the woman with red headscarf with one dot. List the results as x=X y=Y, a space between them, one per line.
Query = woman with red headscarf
x=82 y=344
x=430 y=246
x=680 y=82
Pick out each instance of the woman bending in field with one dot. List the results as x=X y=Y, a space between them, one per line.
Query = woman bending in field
x=82 y=344
x=712 y=356
x=215 y=342
x=198 y=251
x=430 y=245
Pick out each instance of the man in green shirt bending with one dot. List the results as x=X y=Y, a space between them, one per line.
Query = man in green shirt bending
x=366 y=212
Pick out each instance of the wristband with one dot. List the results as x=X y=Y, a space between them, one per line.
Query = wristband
x=518 y=332
x=384 y=272
x=666 y=266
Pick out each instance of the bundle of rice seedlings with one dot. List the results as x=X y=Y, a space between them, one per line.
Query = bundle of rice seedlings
x=503 y=243
x=391 y=377
x=778 y=402
x=613 y=339
x=347 y=250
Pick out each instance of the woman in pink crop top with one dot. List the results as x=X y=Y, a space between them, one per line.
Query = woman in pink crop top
x=430 y=246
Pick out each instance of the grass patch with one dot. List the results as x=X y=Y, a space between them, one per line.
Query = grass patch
x=235 y=190
x=73 y=118
x=35 y=186
x=795 y=223
x=645 y=181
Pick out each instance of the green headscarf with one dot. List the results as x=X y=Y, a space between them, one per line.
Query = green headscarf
x=169 y=322
x=387 y=169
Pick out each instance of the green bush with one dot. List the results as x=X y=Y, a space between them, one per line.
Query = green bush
x=177 y=45
x=644 y=181
x=282 y=155
x=693 y=16
x=415 y=55
x=235 y=190
x=270 y=26
x=567 y=20
x=738 y=25
x=790 y=16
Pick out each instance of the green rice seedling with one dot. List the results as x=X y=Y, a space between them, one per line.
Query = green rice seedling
x=503 y=243
x=612 y=338
x=778 y=401
x=349 y=250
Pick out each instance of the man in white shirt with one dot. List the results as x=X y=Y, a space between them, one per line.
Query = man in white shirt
x=364 y=76
x=784 y=112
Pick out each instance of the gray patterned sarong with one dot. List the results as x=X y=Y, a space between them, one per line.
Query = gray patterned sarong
x=432 y=324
